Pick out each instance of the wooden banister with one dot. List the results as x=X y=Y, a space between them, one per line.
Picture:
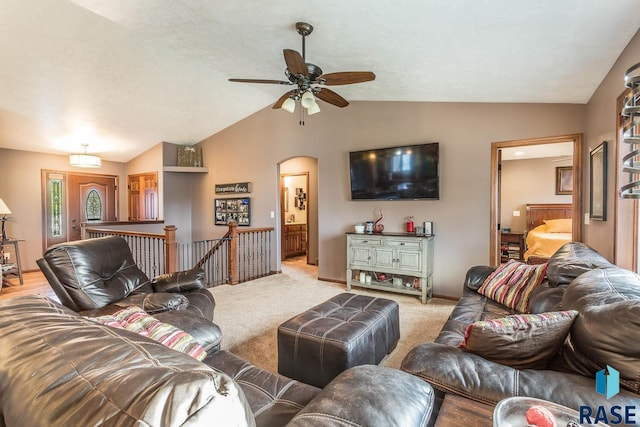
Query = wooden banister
x=211 y=251
x=233 y=253
x=171 y=249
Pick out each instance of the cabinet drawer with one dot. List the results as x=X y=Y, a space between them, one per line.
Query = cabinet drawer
x=403 y=244
x=366 y=241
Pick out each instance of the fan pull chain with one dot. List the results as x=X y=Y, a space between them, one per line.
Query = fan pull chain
x=301 y=115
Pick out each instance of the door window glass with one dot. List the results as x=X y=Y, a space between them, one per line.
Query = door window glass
x=93 y=206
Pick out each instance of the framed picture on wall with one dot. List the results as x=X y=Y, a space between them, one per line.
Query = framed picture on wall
x=236 y=209
x=564 y=180
x=598 y=182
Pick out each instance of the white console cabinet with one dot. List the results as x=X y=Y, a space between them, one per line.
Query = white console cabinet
x=395 y=262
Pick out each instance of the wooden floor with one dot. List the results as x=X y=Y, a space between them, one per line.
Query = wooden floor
x=34 y=283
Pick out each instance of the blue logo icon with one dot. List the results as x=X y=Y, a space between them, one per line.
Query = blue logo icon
x=608 y=382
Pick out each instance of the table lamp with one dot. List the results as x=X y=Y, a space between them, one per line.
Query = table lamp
x=4 y=211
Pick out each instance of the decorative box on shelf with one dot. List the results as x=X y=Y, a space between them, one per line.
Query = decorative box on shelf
x=394 y=262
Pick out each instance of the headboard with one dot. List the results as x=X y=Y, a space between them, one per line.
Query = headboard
x=537 y=213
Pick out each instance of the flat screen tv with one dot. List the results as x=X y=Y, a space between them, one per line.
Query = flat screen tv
x=395 y=173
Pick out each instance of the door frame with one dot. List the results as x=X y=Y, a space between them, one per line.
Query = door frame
x=283 y=216
x=66 y=174
x=577 y=196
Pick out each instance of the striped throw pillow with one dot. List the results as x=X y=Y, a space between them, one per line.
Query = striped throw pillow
x=135 y=319
x=512 y=283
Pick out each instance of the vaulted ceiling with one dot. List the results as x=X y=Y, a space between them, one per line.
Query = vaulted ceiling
x=123 y=75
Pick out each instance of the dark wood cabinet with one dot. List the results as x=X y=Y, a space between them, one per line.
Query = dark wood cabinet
x=511 y=246
x=295 y=240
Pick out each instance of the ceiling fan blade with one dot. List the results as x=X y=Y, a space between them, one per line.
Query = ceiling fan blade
x=295 y=62
x=347 y=77
x=331 y=97
x=277 y=82
x=281 y=100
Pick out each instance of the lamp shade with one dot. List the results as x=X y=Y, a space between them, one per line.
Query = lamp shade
x=315 y=108
x=4 y=209
x=85 y=161
x=289 y=105
x=307 y=99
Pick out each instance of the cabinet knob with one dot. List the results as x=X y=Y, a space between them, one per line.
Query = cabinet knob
x=401 y=243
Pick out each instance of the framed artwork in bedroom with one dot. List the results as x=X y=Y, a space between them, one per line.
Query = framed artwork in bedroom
x=564 y=180
x=598 y=182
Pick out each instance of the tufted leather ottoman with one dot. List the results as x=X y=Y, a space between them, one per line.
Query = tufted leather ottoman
x=345 y=331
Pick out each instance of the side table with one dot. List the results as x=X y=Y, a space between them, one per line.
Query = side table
x=457 y=411
x=512 y=246
x=17 y=269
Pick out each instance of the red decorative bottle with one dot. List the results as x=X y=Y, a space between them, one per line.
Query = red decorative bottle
x=410 y=228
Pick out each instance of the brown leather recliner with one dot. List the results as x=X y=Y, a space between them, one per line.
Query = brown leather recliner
x=99 y=276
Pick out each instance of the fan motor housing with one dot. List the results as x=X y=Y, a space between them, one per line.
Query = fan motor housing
x=313 y=70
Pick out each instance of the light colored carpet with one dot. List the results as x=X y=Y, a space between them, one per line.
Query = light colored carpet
x=249 y=313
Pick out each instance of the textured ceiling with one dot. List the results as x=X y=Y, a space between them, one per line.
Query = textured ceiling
x=123 y=75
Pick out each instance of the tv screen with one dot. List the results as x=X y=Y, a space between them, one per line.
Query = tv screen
x=395 y=173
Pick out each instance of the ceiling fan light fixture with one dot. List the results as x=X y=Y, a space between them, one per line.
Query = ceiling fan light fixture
x=289 y=105
x=307 y=99
x=315 y=108
x=85 y=160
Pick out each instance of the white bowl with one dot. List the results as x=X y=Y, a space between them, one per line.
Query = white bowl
x=359 y=229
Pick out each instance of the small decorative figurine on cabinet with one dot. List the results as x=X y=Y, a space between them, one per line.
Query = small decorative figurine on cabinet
x=377 y=226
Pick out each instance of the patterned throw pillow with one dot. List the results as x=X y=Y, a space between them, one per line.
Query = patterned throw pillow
x=135 y=319
x=512 y=283
x=522 y=341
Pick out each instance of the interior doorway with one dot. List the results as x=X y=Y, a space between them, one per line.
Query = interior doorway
x=497 y=216
x=298 y=224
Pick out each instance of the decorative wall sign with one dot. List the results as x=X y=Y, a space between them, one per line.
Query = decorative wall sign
x=234 y=209
x=237 y=187
x=189 y=155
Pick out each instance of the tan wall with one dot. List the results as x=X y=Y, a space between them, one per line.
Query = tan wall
x=527 y=181
x=600 y=126
x=21 y=190
x=252 y=149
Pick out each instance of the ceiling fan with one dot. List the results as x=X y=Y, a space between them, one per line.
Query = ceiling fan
x=309 y=81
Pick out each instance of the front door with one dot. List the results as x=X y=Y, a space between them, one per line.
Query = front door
x=73 y=198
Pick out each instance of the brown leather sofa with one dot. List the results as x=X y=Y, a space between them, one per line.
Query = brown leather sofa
x=98 y=276
x=605 y=332
x=58 y=368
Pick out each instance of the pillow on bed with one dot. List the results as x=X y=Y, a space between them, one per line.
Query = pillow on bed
x=563 y=225
x=512 y=283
